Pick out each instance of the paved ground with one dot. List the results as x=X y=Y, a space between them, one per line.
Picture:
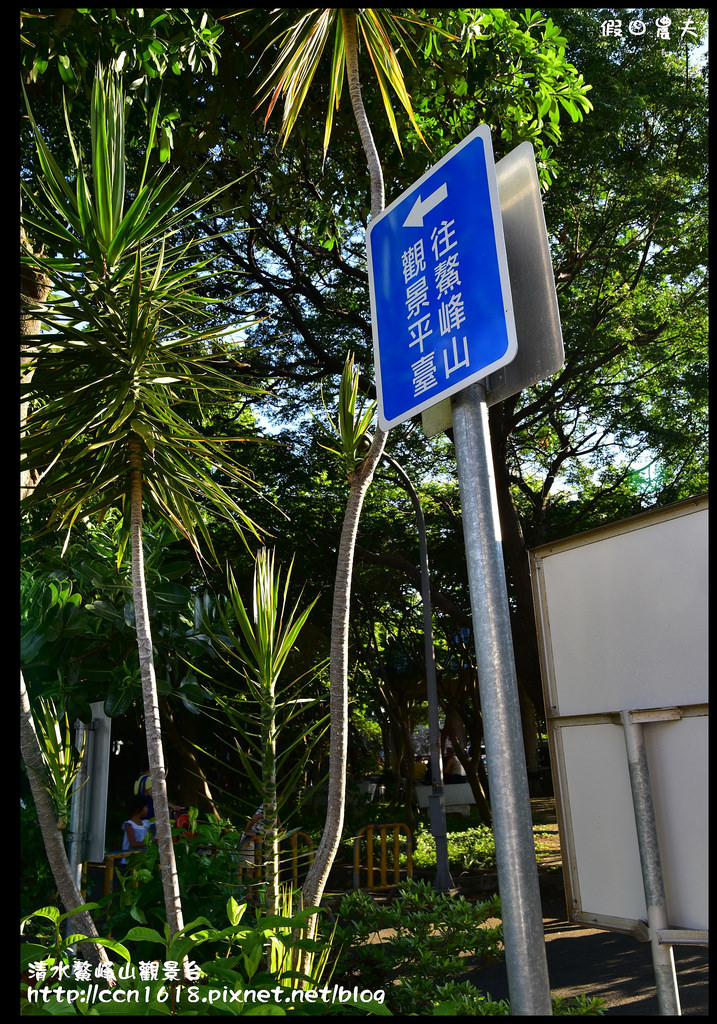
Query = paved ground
x=611 y=966
x=589 y=961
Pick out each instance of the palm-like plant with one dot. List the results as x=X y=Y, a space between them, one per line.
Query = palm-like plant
x=347 y=437
x=61 y=758
x=300 y=48
x=128 y=344
x=259 y=644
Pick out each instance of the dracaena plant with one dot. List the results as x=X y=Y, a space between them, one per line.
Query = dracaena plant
x=346 y=436
x=255 y=642
x=300 y=48
x=130 y=335
x=61 y=758
x=127 y=341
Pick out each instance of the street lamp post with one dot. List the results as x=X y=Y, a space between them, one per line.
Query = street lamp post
x=436 y=805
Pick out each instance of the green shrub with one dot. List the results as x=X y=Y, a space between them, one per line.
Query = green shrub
x=418 y=947
x=470 y=850
x=207 y=864
x=250 y=968
x=407 y=946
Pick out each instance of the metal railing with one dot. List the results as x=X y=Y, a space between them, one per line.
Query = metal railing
x=391 y=839
x=300 y=849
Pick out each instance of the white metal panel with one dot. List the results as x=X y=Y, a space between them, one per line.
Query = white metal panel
x=602 y=857
x=677 y=754
x=627 y=617
x=605 y=862
x=622 y=623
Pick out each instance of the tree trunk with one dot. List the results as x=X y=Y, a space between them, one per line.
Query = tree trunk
x=67 y=888
x=271 y=835
x=360 y=481
x=152 y=723
x=316 y=879
x=34 y=288
x=348 y=20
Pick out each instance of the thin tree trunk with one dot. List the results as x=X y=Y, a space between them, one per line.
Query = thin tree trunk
x=271 y=835
x=34 y=288
x=360 y=481
x=348 y=20
x=152 y=723
x=67 y=888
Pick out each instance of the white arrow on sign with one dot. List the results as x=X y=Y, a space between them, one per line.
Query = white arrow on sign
x=423 y=206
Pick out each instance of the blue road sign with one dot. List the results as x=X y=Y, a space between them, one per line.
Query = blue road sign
x=440 y=293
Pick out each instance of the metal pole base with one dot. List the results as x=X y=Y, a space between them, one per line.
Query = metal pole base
x=524 y=940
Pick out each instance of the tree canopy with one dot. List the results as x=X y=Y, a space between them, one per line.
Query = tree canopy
x=621 y=428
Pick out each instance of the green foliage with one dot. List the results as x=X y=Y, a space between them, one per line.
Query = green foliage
x=578 y=1006
x=418 y=939
x=301 y=46
x=418 y=947
x=627 y=218
x=469 y=851
x=60 y=757
x=76 y=605
x=462 y=999
x=505 y=69
x=353 y=419
x=365 y=744
x=275 y=724
x=128 y=324
x=56 y=942
x=207 y=861
x=49 y=610
x=267 y=636
x=219 y=970
x=260 y=648
x=143 y=46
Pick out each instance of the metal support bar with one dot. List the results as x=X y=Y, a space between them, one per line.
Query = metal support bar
x=663 y=960
x=683 y=936
x=526 y=960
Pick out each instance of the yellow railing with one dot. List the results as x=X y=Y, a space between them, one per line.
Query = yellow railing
x=250 y=863
x=389 y=847
x=109 y=864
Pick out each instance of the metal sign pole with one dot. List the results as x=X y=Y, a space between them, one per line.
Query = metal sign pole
x=521 y=911
x=668 y=996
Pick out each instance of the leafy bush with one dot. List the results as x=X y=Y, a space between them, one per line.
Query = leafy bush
x=418 y=947
x=462 y=999
x=409 y=945
x=207 y=862
x=253 y=972
x=470 y=850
